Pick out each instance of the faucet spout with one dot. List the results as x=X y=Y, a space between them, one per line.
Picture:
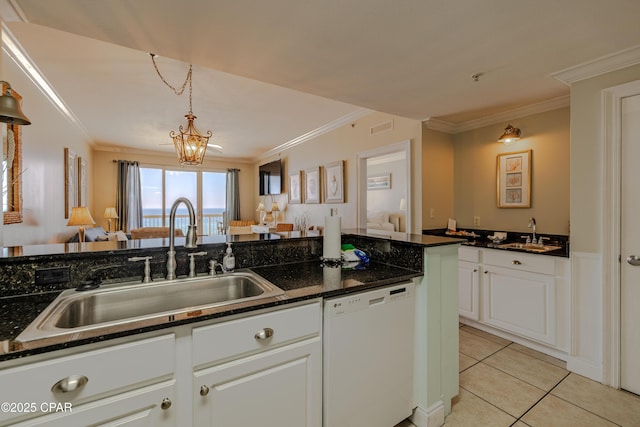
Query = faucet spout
x=191 y=238
x=532 y=225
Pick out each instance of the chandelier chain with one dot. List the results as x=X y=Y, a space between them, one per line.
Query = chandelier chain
x=184 y=85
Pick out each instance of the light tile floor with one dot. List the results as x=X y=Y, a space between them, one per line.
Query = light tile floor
x=506 y=384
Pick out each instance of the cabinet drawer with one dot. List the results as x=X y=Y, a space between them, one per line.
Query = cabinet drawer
x=104 y=372
x=222 y=341
x=519 y=261
x=468 y=254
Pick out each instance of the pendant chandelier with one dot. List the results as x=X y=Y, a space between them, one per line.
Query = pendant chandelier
x=190 y=144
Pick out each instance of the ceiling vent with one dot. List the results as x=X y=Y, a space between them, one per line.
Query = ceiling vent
x=382 y=127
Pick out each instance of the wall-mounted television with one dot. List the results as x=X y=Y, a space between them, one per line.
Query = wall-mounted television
x=270 y=176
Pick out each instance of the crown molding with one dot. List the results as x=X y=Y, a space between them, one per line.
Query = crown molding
x=516 y=113
x=604 y=64
x=346 y=119
x=11 y=12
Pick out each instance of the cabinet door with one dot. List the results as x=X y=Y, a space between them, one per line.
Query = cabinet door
x=469 y=290
x=281 y=387
x=137 y=408
x=520 y=302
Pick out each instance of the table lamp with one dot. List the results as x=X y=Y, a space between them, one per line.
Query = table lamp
x=110 y=213
x=80 y=216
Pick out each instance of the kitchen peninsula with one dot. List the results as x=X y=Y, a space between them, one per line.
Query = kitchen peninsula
x=290 y=261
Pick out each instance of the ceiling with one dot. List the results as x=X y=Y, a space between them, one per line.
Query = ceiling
x=266 y=73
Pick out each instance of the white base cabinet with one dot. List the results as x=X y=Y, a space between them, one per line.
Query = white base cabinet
x=263 y=369
x=523 y=294
x=271 y=389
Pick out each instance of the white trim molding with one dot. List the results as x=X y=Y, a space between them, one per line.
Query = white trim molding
x=516 y=113
x=604 y=64
x=585 y=351
x=346 y=119
x=612 y=159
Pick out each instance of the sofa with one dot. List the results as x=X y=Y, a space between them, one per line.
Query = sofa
x=387 y=221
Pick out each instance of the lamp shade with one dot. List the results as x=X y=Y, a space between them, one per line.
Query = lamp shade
x=80 y=216
x=110 y=213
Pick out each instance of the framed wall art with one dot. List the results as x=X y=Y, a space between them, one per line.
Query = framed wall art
x=295 y=187
x=70 y=182
x=379 y=182
x=312 y=185
x=334 y=182
x=514 y=179
x=82 y=182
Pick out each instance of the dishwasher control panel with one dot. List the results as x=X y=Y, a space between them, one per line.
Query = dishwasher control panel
x=368 y=299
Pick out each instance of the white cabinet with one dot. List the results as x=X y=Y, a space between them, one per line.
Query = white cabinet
x=88 y=387
x=469 y=283
x=262 y=370
x=523 y=294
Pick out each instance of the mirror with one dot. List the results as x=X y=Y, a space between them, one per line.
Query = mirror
x=384 y=190
x=12 y=170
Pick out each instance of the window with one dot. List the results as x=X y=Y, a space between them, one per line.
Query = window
x=204 y=189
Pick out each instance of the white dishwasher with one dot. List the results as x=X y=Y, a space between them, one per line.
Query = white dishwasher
x=368 y=357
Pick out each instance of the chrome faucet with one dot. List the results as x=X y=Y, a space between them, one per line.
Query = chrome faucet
x=190 y=241
x=532 y=225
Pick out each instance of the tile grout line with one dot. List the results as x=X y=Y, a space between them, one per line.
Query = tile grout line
x=487 y=402
x=578 y=406
x=540 y=400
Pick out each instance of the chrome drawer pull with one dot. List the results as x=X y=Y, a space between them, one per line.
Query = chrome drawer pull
x=516 y=262
x=264 y=334
x=204 y=390
x=69 y=384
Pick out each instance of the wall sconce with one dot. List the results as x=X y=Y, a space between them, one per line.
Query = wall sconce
x=510 y=135
x=80 y=216
x=10 y=111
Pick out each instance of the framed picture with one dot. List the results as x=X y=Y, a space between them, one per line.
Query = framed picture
x=514 y=179
x=82 y=182
x=312 y=185
x=334 y=182
x=70 y=182
x=380 y=182
x=295 y=187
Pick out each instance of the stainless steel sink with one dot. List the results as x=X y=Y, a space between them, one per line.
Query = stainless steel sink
x=130 y=303
x=530 y=247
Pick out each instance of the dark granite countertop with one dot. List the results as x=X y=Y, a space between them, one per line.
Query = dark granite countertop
x=479 y=239
x=300 y=281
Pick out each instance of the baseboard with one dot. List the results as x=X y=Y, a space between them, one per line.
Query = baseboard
x=431 y=417
x=585 y=368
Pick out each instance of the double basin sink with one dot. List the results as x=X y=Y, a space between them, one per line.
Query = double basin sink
x=110 y=307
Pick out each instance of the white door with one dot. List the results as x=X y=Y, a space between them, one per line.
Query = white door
x=630 y=246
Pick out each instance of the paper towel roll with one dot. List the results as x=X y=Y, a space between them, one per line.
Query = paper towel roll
x=331 y=241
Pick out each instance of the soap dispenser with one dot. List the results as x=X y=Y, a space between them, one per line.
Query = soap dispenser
x=229 y=261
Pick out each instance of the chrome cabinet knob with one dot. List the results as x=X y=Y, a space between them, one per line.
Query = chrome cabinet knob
x=264 y=334
x=166 y=404
x=204 y=390
x=633 y=259
x=516 y=262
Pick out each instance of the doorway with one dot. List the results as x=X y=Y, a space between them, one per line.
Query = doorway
x=630 y=246
x=384 y=185
x=621 y=279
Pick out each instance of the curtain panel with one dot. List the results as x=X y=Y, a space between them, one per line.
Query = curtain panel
x=129 y=196
x=233 y=197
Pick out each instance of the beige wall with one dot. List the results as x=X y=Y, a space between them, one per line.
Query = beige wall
x=43 y=145
x=437 y=178
x=105 y=178
x=547 y=135
x=345 y=143
x=587 y=157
